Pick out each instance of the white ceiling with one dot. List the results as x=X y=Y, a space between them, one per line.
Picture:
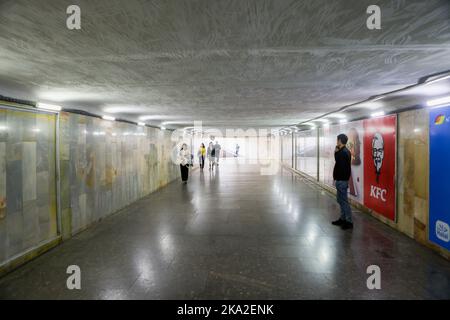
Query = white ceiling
x=228 y=63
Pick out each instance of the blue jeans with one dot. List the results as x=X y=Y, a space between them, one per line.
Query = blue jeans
x=342 y=199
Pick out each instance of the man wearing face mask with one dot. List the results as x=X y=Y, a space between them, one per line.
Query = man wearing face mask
x=341 y=175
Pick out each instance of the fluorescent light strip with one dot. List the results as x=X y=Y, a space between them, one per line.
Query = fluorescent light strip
x=337 y=116
x=377 y=114
x=47 y=106
x=109 y=118
x=439 y=101
x=378 y=98
x=142 y=124
x=436 y=80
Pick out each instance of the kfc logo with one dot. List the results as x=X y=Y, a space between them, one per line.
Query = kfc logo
x=378 y=193
x=379 y=170
x=378 y=153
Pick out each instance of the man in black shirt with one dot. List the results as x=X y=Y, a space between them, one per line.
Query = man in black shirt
x=341 y=175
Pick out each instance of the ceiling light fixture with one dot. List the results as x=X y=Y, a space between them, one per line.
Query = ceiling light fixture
x=47 y=106
x=437 y=79
x=142 y=124
x=377 y=98
x=377 y=114
x=337 y=116
x=109 y=118
x=439 y=101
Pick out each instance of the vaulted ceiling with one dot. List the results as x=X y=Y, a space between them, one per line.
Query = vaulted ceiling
x=234 y=63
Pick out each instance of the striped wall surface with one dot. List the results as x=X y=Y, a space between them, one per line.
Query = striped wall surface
x=28 y=205
x=107 y=165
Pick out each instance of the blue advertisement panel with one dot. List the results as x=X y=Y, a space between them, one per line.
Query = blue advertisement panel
x=440 y=176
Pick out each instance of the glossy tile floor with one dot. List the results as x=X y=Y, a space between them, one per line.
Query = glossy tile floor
x=234 y=234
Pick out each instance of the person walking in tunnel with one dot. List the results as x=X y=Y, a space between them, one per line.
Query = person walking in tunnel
x=184 y=158
x=217 y=148
x=341 y=176
x=211 y=155
x=201 y=156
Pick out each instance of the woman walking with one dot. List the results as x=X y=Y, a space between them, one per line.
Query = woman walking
x=184 y=158
x=201 y=156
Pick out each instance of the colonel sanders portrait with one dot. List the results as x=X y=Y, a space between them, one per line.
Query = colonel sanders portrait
x=378 y=153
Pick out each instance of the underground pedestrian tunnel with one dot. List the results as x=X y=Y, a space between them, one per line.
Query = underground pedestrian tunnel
x=97 y=100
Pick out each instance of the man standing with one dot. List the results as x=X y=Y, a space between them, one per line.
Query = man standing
x=341 y=175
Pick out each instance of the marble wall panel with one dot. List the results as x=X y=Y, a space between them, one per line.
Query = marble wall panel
x=29 y=171
x=412 y=173
x=3 y=231
x=27 y=181
x=31 y=230
x=111 y=165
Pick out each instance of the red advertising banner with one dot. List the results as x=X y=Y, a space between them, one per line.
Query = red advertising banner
x=379 y=165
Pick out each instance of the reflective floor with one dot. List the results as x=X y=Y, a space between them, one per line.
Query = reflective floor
x=234 y=234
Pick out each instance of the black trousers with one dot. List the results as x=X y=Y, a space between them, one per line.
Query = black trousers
x=184 y=172
x=202 y=162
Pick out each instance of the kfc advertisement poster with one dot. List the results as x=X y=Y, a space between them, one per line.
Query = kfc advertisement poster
x=379 y=165
x=354 y=130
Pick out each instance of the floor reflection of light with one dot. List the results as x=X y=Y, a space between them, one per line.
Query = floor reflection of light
x=144 y=266
x=167 y=246
x=324 y=255
x=112 y=294
x=296 y=215
x=197 y=202
x=312 y=235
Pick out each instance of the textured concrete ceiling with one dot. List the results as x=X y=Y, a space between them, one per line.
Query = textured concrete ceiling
x=227 y=63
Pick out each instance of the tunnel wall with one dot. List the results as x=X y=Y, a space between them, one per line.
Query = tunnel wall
x=107 y=165
x=103 y=167
x=28 y=206
x=412 y=173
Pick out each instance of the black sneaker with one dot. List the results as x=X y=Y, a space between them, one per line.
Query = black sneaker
x=338 y=222
x=347 y=225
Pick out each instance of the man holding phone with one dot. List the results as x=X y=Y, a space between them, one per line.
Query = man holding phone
x=341 y=175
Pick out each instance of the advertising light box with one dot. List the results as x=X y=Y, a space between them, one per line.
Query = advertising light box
x=439 y=218
x=379 y=165
x=354 y=131
x=372 y=144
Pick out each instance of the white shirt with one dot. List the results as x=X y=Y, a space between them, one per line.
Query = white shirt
x=184 y=157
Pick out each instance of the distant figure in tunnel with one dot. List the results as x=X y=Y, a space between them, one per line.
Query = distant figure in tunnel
x=237 y=150
x=217 y=148
x=184 y=157
x=341 y=175
x=211 y=155
x=201 y=156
